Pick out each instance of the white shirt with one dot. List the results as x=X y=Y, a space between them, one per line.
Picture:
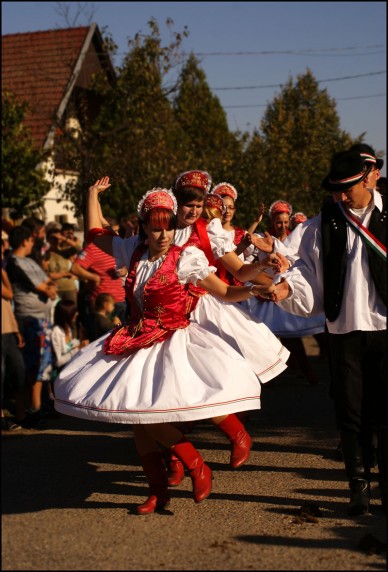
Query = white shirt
x=362 y=308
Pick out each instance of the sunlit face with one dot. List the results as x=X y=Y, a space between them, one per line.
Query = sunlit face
x=159 y=239
x=230 y=209
x=281 y=223
x=358 y=196
x=189 y=213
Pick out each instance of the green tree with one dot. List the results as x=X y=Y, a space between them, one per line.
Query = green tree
x=155 y=120
x=247 y=171
x=134 y=136
x=298 y=135
x=207 y=142
x=22 y=183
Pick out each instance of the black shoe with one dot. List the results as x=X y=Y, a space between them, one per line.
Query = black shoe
x=34 y=420
x=360 y=497
x=8 y=425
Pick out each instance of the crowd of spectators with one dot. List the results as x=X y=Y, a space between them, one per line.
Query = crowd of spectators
x=58 y=295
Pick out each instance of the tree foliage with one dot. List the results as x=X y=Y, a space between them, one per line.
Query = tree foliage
x=135 y=137
x=22 y=184
x=298 y=135
x=159 y=117
x=207 y=141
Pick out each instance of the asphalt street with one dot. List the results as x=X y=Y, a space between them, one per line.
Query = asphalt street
x=69 y=492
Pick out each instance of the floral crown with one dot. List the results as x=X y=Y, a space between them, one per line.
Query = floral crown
x=225 y=189
x=297 y=218
x=215 y=202
x=156 y=198
x=279 y=207
x=199 y=179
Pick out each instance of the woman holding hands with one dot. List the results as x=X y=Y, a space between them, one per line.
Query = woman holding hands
x=160 y=368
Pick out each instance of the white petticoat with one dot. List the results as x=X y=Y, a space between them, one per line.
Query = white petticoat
x=249 y=337
x=193 y=375
x=283 y=323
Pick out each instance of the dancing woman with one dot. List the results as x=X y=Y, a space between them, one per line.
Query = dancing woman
x=161 y=367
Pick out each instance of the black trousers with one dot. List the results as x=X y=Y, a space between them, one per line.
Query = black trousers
x=359 y=385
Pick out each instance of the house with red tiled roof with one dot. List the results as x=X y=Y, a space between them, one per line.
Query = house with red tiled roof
x=51 y=70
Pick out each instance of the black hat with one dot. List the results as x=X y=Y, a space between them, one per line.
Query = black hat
x=368 y=154
x=347 y=169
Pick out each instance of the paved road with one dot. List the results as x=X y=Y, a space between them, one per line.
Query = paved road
x=68 y=494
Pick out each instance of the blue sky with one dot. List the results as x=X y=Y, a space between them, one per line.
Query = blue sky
x=248 y=49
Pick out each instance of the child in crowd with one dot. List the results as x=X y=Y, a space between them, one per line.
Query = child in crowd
x=104 y=318
x=65 y=346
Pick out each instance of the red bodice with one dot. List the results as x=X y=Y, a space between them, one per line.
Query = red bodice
x=200 y=238
x=166 y=306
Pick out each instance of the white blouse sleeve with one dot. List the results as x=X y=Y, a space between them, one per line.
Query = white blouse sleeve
x=220 y=239
x=123 y=248
x=193 y=266
x=305 y=277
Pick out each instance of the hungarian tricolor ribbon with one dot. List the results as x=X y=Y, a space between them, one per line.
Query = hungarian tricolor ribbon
x=366 y=235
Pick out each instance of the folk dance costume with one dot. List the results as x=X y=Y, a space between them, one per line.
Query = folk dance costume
x=236 y=234
x=161 y=367
x=251 y=339
x=342 y=271
x=281 y=322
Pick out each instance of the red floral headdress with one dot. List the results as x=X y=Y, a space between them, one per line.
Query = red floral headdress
x=298 y=218
x=279 y=207
x=156 y=198
x=215 y=202
x=225 y=189
x=199 y=179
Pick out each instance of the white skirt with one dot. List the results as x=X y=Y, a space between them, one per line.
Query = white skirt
x=191 y=376
x=283 y=323
x=249 y=336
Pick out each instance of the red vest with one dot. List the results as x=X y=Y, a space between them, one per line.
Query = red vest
x=200 y=238
x=166 y=306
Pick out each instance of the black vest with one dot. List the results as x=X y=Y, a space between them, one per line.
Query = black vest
x=334 y=235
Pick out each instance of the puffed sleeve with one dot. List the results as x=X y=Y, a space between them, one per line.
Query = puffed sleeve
x=123 y=249
x=193 y=266
x=220 y=239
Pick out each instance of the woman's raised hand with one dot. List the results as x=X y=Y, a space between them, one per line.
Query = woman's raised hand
x=100 y=185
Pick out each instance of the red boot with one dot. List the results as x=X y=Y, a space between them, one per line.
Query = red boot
x=176 y=469
x=200 y=473
x=240 y=439
x=156 y=474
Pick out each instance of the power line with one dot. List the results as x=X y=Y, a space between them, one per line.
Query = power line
x=337 y=99
x=289 y=52
x=281 y=84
